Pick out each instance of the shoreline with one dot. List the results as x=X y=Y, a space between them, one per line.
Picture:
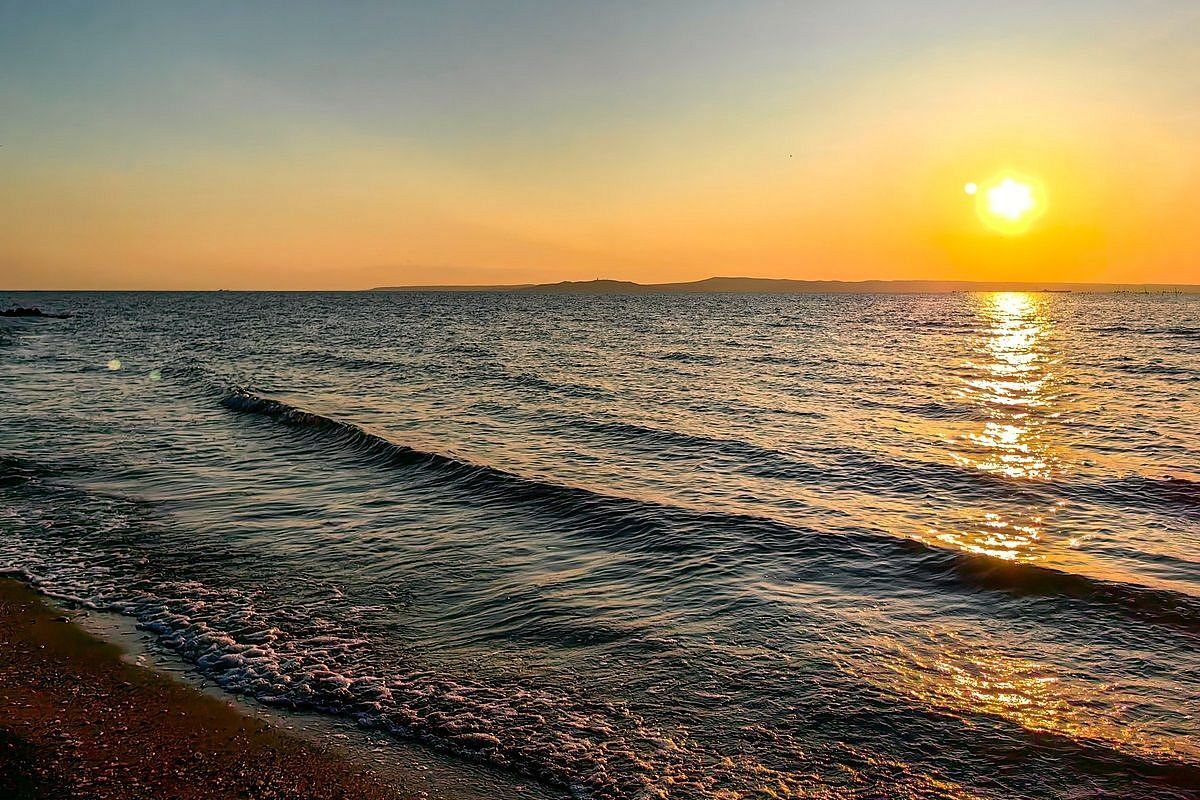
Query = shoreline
x=81 y=716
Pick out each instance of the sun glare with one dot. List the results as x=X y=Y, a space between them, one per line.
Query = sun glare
x=1008 y=203
x=1010 y=199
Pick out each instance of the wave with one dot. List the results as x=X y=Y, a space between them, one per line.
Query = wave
x=1179 y=493
x=15 y=471
x=325 y=359
x=1157 y=368
x=688 y=356
x=640 y=525
x=843 y=468
x=1179 y=331
x=930 y=410
x=379 y=451
x=528 y=381
x=1024 y=579
x=857 y=470
x=646 y=437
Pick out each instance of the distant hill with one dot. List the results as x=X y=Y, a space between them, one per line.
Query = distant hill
x=784 y=286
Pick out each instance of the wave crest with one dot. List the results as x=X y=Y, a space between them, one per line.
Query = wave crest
x=641 y=525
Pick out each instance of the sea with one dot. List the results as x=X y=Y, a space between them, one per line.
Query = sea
x=681 y=546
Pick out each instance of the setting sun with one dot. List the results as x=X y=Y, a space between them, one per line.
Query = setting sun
x=1011 y=200
x=1008 y=204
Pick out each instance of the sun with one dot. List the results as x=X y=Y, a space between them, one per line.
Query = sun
x=1008 y=203
x=1011 y=199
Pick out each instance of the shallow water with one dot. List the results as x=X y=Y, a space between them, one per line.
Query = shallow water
x=705 y=546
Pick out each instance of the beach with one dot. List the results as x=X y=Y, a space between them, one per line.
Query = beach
x=78 y=721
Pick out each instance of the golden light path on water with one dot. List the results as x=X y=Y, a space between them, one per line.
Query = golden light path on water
x=951 y=669
x=1010 y=379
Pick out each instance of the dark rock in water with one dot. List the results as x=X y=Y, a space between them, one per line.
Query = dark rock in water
x=21 y=311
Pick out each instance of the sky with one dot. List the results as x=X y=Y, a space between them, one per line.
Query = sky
x=300 y=145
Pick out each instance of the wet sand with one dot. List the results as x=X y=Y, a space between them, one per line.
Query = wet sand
x=77 y=721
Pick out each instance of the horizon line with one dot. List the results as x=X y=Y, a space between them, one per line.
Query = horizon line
x=718 y=284
x=714 y=284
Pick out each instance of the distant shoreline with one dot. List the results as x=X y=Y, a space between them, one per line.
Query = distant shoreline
x=787 y=286
x=603 y=286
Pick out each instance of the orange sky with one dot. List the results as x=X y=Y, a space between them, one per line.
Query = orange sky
x=643 y=153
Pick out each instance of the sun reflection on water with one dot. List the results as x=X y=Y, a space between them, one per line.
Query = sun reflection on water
x=995 y=536
x=951 y=672
x=1012 y=384
x=1010 y=381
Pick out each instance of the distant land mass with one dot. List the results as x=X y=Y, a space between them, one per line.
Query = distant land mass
x=785 y=286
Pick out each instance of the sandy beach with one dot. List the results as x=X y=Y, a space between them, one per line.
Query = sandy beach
x=79 y=722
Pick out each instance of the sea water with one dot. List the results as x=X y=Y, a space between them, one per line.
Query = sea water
x=694 y=546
